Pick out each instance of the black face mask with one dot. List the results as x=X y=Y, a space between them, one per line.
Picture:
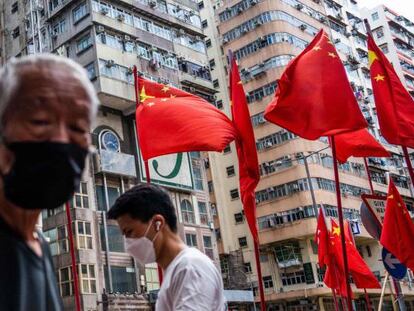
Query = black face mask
x=44 y=174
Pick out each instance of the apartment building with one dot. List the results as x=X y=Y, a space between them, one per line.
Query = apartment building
x=166 y=41
x=265 y=35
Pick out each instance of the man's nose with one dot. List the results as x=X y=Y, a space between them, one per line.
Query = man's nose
x=61 y=133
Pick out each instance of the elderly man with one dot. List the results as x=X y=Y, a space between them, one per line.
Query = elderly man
x=47 y=104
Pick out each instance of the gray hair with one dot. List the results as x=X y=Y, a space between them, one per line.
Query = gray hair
x=10 y=78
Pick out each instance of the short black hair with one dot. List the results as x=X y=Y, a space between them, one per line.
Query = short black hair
x=144 y=201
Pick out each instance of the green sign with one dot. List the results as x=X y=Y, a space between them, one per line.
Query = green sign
x=307 y=267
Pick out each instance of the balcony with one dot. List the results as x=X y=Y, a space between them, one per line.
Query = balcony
x=115 y=163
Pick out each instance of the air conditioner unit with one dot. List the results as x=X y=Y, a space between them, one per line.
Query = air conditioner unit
x=104 y=10
x=303 y=27
x=348 y=34
x=127 y=38
x=253 y=2
x=192 y=89
x=337 y=40
x=268 y=144
x=245 y=30
x=262 y=120
x=110 y=63
x=323 y=19
x=299 y=6
x=152 y=3
x=225 y=40
x=295 y=187
x=100 y=29
x=339 y=16
x=154 y=64
x=120 y=17
x=258 y=23
x=239 y=10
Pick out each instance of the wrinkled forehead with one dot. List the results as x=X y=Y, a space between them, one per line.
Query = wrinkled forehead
x=47 y=87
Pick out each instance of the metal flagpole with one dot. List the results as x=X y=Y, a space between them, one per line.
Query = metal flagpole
x=147 y=171
x=341 y=225
x=72 y=255
x=369 y=176
x=409 y=165
x=383 y=291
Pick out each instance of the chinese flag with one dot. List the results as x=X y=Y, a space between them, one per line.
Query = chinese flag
x=314 y=97
x=170 y=120
x=395 y=106
x=398 y=229
x=322 y=240
x=246 y=147
x=359 y=143
x=361 y=274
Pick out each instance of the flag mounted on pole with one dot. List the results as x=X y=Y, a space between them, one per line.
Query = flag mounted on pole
x=170 y=120
x=314 y=97
x=395 y=106
x=359 y=143
x=398 y=228
x=322 y=240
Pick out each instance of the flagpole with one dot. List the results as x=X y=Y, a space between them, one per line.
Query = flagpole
x=409 y=165
x=369 y=176
x=73 y=258
x=335 y=300
x=341 y=225
x=147 y=171
x=259 y=275
x=383 y=291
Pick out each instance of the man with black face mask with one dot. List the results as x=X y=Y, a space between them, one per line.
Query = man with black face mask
x=47 y=104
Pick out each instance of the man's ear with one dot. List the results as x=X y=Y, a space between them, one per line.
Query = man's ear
x=6 y=159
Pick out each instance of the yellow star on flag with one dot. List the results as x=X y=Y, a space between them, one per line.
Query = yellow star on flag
x=336 y=231
x=240 y=82
x=371 y=57
x=378 y=77
x=390 y=197
x=317 y=48
x=173 y=96
x=165 y=89
x=332 y=54
x=143 y=96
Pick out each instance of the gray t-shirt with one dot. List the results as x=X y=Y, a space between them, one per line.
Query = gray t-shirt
x=27 y=281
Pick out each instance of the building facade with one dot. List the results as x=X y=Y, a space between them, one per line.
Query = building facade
x=265 y=35
x=165 y=40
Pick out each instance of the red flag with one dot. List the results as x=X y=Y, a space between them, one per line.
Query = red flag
x=358 y=144
x=170 y=120
x=322 y=240
x=246 y=148
x=398 y=229
x=314 y=97
x=395 y=106
x=361 y=274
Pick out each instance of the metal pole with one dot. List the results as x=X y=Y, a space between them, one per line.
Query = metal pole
x=108 y=264
x=341 y=225
x=369 y=176
x=315 y=208
x=409 y=165
x=259 y=275
x=73 y=259
x=383 y=291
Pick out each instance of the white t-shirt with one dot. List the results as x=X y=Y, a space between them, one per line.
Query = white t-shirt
x=191 y=282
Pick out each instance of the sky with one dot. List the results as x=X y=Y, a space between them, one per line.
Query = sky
x=403 y=7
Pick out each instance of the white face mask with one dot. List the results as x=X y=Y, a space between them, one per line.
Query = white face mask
x=142 y=249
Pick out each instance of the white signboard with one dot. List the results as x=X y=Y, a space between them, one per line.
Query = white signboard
x=173 y=170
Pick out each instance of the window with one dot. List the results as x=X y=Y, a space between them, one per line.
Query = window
x=234 y=194
x=267 y=281
x=84 y=235
x=212 y=63
x=227 y=149
x=293 y=278
x=65 y=281
x=58 y=240
x=115 y=239
x=380 y=33
x=16 y=32
x=202 y=209
x=83 y=43
x=59 y=27
x=151 y=277
x=208 y=246
x=210 y=186
x=239 y=218
x=15 y=7
x=368 y=251
x=247 y=267
x=289 y=251
x=198 y=178
x=216 y=83
x=91 y=71
x=201 y=5
x=204 y=23
x=123 y=279
x=187 y=212
x=80 y=199
x=375 y=16
x=263 y=257
x=191 y=239
x=88 y=279
x=208 y=43
x=219 y=104
x=113 y=194
x=230 y=171
x=384 y=48
x=79 y=12
x=243 y=242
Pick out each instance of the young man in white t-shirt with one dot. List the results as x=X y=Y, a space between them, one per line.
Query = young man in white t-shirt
x=146 y=216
